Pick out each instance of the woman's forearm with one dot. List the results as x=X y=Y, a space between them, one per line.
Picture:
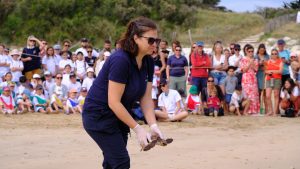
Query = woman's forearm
x=122 y=114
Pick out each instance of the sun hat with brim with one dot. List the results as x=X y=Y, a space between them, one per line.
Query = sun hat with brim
x=193 y=90
x=47 y=73
x=83 y=89
x=14 y=52
x=73 y=90
x=200 y=43
x=293 y=54
x=90 y=69
x=36 y=76
x=6 y=88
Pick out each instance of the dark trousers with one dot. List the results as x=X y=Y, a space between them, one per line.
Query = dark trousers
x=113 y=147
x=200 y=82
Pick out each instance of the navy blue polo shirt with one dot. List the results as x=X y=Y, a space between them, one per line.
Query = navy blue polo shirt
x=35 y=62
x=177 y=65
x=122 y=68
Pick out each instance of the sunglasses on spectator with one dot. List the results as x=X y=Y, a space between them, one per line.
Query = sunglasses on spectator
x=32 y=40
x=67 y=45
x=152 y=40
x=210 y=81
x=274 y=53
x=58 y=77
x=237 y=49
x=250 y=51
x=178 y=50
x=89 y=51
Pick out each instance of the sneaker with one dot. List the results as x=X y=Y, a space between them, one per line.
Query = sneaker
x=215 y=113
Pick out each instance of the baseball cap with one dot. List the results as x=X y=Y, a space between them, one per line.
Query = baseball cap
x=83 y=89
x=72 y=74
x=106 y=53
x=56 y=47
x=73 y=90
x=280 y=42
x=84 y=40
x=47 y=73
x=237 y=46
x=200 y=43
x=36 y=76
x=293 y=54
x=39 y=87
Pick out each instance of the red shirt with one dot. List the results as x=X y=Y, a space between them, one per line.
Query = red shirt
x=213 y=102
x=200 y=61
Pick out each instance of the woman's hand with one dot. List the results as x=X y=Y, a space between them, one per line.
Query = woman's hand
x=156 y=131
x=142 y=136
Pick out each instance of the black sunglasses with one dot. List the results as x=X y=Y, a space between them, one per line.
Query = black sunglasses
x=89 y=51
x=210 y=81
x=58 y=77
x=151 y=40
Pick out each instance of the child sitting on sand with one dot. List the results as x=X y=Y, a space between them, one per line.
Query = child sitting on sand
x=238 y=102
x=72 y=105
x=7 y=103
x=213 y=104
x=39 y=101
x=193 y=101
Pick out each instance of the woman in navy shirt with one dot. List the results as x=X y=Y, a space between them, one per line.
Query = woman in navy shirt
x=125 y=78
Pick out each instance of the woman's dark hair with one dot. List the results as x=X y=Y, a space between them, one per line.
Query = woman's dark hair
x=291 y=81
x=249 y=47
x=261 y=46
x=137 y=27
x=246 y=48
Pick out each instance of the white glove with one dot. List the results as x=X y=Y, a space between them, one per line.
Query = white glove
x=142 y=136
x=156 y=131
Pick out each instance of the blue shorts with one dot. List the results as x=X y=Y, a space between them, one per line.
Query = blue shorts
x=219 y=77
x=228 y=98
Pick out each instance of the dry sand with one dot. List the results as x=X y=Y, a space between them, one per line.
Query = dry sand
x=38 y=141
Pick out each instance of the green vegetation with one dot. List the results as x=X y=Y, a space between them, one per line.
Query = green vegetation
x=291 y=30
x=106 y=19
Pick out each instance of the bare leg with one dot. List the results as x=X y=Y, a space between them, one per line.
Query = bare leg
x=180 y=116
x=269 y=102
x=276 y=99
x=163 y=116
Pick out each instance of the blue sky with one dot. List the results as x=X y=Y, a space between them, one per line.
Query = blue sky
x=251 y=5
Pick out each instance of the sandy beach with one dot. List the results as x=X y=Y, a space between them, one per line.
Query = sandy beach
x=34 y=141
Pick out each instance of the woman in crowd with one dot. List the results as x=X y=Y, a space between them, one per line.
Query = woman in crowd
x=289 y=95
x=207 y=92
x=273 y=73
x=249 y=67
x=50 y=62
x=200 y=62
x=177 y=70
x=31 y=58
x=219 y=65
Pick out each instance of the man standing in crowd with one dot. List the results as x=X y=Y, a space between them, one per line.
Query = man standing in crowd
x=83 y=48
x=285 y=57
x=66 y=47
x=106 y=47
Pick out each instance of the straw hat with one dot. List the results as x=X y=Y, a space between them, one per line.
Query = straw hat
x=14 y=52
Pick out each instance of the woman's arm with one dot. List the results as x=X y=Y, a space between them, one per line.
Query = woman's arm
x=115 y=92
x=147 y=105
x=163 y=62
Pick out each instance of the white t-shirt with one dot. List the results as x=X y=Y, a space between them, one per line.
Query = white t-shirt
x=87 y=82
x=234 y=60
x=76 y=85
x=287 y=95
x=169 y=101
x=99 y=65
x=4 y=69
x=51 y=64
x=65 y=62
x=66 y=80
x=68 y=103
x=218 y=62
x=58 y=59
x=16 y=74
x=236 y=99
x=81 y=67
x=84 y=52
